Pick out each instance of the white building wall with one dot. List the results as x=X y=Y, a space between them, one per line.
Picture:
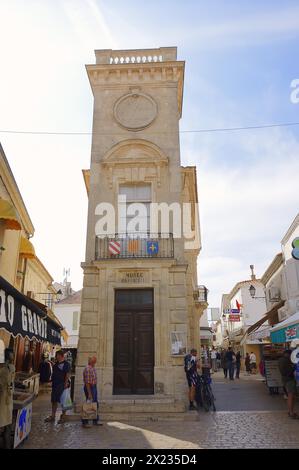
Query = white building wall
x=291 y=271
x=65 y=313
x=253 y=309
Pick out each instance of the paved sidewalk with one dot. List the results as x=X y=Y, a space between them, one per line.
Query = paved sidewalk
x=248 y=426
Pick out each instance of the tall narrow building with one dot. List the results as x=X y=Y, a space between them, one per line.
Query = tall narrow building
x=140 y=302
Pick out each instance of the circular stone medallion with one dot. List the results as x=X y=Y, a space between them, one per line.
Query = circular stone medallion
x=135 y=111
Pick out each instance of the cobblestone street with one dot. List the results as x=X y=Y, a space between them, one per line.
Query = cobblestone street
x=247 y=417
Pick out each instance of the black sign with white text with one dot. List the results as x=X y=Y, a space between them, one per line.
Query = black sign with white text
x=20 y=316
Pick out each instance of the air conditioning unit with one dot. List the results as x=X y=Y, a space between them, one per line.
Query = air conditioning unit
x=282 y=313
x=274 y=294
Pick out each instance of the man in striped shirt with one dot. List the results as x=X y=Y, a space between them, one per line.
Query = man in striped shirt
x=90 y=388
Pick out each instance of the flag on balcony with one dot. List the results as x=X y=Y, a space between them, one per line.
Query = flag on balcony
x=152 y=248
x=133 y=246
x=114 y=247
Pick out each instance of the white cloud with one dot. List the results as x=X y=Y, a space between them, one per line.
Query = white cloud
x=246 y=209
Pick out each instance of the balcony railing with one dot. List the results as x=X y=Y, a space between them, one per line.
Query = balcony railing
x=201 y=294
x=136 y=245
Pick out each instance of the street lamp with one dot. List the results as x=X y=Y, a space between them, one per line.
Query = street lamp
x=252 y=291
x=57 y=294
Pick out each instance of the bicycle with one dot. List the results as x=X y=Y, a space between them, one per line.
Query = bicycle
x=206 y=398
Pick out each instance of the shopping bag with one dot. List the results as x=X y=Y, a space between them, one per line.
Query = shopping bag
x=65 y=400
x=89 y=411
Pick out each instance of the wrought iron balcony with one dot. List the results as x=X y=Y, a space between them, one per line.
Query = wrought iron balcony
x=201 y=294
x=134 y=245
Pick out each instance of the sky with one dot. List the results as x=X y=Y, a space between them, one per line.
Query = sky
x=241 y=58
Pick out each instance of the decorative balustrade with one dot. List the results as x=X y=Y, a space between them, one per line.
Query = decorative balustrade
x=136 y=56
x=135 y=59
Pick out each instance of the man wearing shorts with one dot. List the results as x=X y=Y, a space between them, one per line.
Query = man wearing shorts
x=60 y=381
x=287 y=371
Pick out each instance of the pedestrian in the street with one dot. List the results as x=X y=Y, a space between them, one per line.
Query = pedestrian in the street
x=287 y=371
x=45 y=370
x=218 y=360
x=60 y=381
x=231 y=359
x=90 y=389
x=214 y=359
x=252 y=362
x=224 y=363
x=7 y=377
x=247 y=363
x=238 y=364
x=190 y=366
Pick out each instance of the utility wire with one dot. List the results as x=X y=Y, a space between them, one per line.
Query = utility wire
x=188 y=131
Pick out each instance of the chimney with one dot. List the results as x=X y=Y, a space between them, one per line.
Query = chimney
x=253 y=278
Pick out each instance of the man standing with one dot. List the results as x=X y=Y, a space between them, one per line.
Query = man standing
x=214 y=359
x=90 y=389
x=224 y=363
x=191 y=365
x=7 y=376
x=45 y=370
x=231 y=359
x=60 y=381
x=218 y=360
x=287 y=371
x=253 y=362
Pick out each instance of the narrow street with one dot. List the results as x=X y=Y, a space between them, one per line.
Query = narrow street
x=247 y=417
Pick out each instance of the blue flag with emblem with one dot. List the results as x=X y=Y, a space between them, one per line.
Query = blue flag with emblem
x=152 y=248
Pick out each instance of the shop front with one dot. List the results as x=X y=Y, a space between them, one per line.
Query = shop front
x=28 y=331
x=287 y=330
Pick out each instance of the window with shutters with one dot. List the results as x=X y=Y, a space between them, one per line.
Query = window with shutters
x=136 y=193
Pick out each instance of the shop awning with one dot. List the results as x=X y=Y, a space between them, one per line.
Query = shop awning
x=19 y=315
x=9 y=214
x=26 y=248
x=270 y=316
x=286 y=330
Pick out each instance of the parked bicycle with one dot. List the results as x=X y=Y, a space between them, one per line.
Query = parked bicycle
x=204 y=393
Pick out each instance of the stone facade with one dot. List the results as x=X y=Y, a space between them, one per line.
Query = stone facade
x=137 y=107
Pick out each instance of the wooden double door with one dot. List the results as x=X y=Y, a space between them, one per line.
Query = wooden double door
x=133 y=342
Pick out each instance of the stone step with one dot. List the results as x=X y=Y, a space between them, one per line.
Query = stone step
x=138 y=417
x=142 y=406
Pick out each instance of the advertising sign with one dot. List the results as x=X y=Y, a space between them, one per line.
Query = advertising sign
x=291 y=333
x=273 y=376
x=234 y=318
x=23 y=424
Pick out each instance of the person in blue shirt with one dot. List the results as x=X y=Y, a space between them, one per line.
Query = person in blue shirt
x=60 y=381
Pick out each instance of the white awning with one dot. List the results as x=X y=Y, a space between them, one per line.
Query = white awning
x=292 y=320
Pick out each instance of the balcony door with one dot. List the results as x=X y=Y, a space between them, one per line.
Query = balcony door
x=133 y=342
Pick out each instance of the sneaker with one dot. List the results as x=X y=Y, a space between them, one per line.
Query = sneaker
x=98 y=423
x=192 y=407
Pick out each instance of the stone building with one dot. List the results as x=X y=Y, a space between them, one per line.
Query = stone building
x=141 y=302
